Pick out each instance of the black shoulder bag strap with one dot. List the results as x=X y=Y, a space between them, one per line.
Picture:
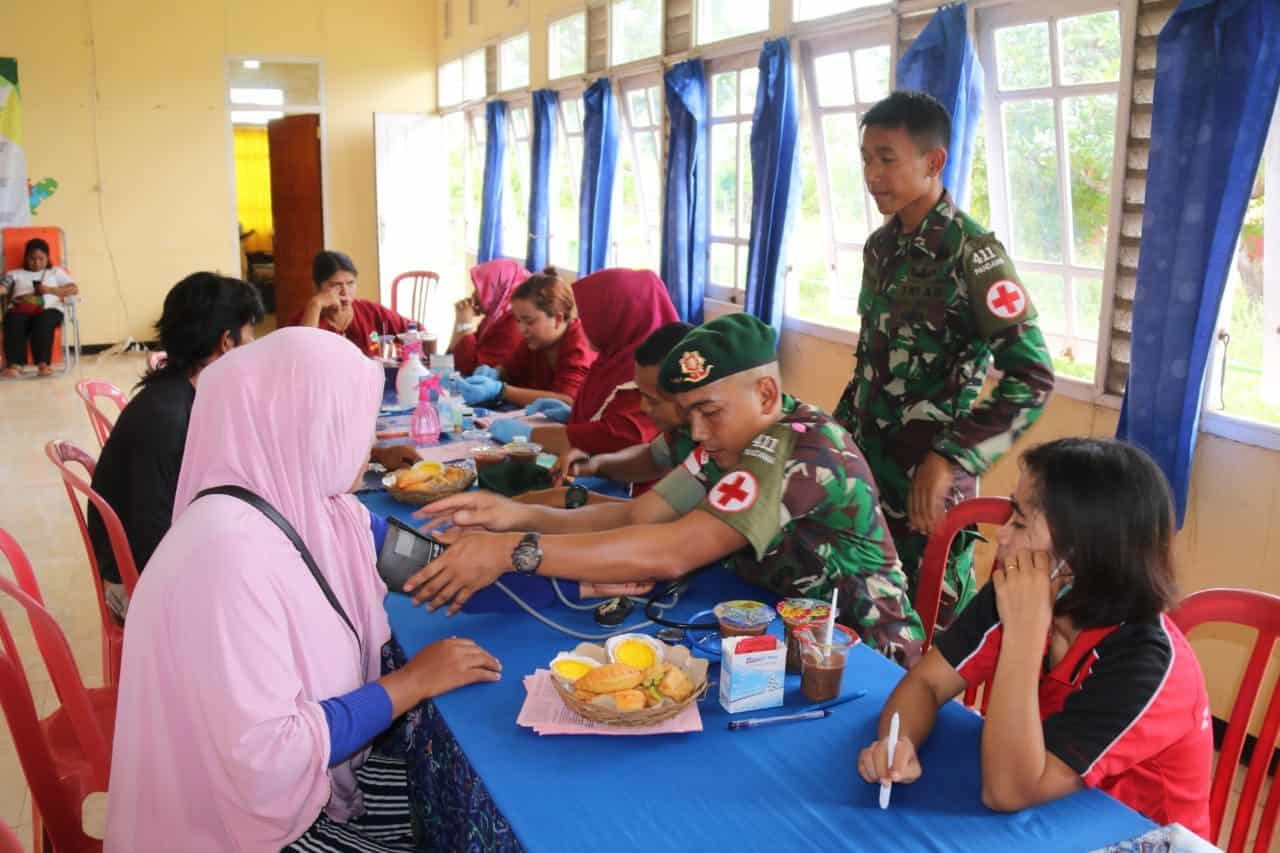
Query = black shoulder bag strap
x=286 y=528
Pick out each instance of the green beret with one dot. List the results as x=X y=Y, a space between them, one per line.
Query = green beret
x=729 y=344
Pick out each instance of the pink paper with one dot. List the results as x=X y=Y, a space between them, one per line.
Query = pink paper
x=545 y=712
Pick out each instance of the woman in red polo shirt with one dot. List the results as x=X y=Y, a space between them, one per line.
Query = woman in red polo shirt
x=555 y=357
x=496 y=336
x=620 y=308
x=1090 y=682
x=335 y=307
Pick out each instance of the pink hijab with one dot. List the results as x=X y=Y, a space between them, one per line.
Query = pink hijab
x=220 y=740
x=619 y=308
x=494 y=281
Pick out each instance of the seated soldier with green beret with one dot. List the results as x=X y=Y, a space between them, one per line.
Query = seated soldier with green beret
x=774 y=483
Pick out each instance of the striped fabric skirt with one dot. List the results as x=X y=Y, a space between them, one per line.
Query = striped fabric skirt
x=385 y=827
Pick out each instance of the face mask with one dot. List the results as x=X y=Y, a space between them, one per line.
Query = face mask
x=1057 y=570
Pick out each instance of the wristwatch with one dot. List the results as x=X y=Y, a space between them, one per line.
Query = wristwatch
x=527 y=556
x=575 y=496
x=466 y=328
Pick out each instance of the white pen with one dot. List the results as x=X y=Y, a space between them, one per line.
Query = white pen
x=887 y=787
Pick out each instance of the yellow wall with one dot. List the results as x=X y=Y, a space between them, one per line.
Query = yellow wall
x=160 y=138
x=253 y=187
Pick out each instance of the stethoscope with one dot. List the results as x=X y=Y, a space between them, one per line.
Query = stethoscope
x=701 y=633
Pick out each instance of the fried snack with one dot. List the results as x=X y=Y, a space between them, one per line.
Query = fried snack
x=583 y=696
x=629 y=700
x=610 y=679
x=654 y=674
x=676 y=684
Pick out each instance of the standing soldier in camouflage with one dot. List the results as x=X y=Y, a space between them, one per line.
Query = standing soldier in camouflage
x=940 y=303
x=773 y=484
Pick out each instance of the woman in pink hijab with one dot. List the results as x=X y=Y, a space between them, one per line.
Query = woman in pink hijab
x=619 y=309
x=497 y=336
x=247 y=696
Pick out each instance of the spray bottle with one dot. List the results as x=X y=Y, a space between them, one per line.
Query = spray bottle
x=425 y=426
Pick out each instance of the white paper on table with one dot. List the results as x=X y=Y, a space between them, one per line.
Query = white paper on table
x=545 y=712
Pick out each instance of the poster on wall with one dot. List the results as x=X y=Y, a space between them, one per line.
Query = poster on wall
x=15 y=200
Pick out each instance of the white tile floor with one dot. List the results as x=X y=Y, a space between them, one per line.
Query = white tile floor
x=34 y=509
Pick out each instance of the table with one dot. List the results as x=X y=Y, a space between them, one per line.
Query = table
x=503 y=787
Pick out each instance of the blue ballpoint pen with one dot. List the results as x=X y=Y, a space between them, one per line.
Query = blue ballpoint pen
x=817 y=713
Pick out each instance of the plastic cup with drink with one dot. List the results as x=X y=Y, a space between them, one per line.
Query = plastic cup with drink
x=823 y=658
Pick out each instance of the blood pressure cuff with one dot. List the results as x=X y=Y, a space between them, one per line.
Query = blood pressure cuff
x=405 y=551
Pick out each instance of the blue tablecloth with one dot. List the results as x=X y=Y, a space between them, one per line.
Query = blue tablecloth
x=769 y=789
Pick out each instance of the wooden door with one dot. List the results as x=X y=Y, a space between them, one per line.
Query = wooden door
x=297 y=208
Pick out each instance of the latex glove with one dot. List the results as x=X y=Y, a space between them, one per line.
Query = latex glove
x=453 y=384
x=481 y=389
x=487 y=371
x=506 y=429
x=556 y=410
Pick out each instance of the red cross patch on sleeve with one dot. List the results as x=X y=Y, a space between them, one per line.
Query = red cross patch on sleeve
x=1006 y=299
x=736 y=492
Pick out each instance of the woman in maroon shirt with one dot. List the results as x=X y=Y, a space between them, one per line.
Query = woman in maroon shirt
x=555 y=357
x=497 y=337
x=620 y=308
x=335 y=307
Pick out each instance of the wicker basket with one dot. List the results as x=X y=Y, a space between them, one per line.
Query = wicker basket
x=678 y=655
x=418 y=497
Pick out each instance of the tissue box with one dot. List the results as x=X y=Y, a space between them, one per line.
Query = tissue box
x=751 y=673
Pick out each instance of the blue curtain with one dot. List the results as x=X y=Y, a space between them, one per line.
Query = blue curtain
x=684 y=219
x=774 y=133
x=545 y=104
x=1217 y=73
x=943 y=62
x=599 y=161
x=491 y=196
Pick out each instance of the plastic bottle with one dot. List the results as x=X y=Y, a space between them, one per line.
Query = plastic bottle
x=425 y=426
x=445 y=406
x=411 y=372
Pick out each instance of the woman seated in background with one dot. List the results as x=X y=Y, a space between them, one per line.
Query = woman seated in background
x=555 y=357
x=1089 y=682
x=335 y=307
x=205 y=316
x=620 y=309
x=247 y=697
x=35 y=295
x=497 y=336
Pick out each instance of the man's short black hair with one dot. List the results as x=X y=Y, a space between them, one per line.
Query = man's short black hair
x=662 y=341
x=196 y=312
x=919 y=114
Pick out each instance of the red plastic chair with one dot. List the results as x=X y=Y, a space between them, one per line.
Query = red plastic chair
x=1260 y=611
x=934 y=563
x=9 y=842
x=14 y=242
x=421 y=285
x=89 y=390
x=62 y=454
x=67 y=755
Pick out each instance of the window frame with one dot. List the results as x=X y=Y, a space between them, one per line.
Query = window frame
x=871 y=9
x=484 y=75
x=563 y=134
x=652 y=60
x=581 y=13
x=1215 y=420
x=514 y=142
x=441 y=104
x=622 y=86
x=502 y=69
x=699 y=42
x=986 y=22
x=877 y=33
x=737 y=64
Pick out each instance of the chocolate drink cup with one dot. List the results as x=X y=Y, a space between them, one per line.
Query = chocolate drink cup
x=795 y=614
x=487 y=457
x=823 y=664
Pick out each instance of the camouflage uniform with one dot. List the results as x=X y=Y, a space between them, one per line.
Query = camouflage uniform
x=937 y=307
x=804 y=499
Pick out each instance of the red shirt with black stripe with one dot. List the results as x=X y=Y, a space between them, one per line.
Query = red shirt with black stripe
x=1126 y=708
